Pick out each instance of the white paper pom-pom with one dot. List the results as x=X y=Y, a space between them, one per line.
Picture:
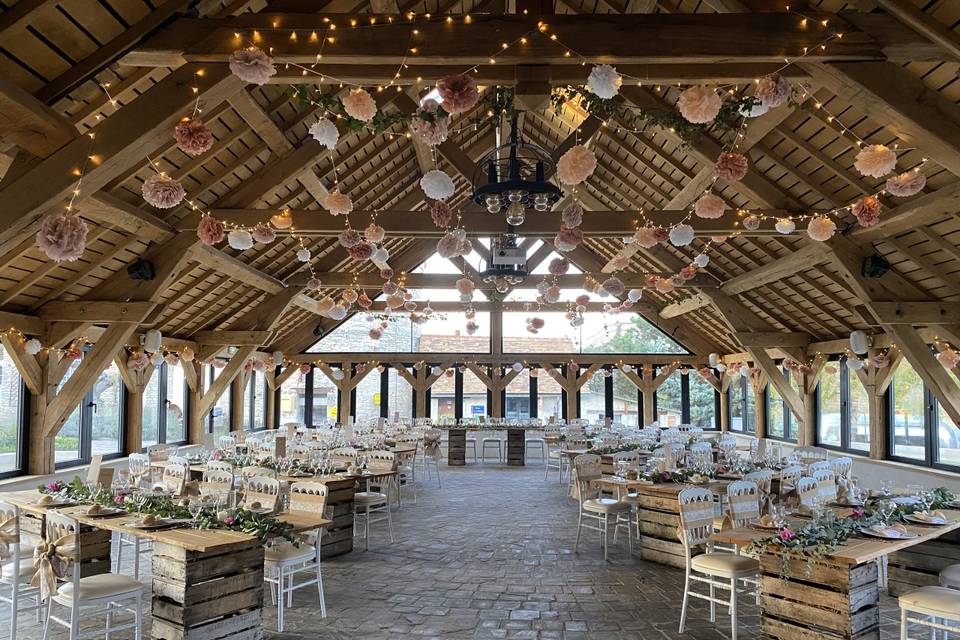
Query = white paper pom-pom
x=437 y=185
x=338 y=312
x=634 y=295
x=337 y=374
x=702 y=260
x=859 y=341
x=576 y=165
x=338 y=204
x=681 y=235
x=240 y=239
x=252 y=65
x=325 y=132
x=875 y=161
x=699 y=104
x=360 y=105
x=786 y=226
x=303 y=255
x=906 y=184
x=604 y=81
x=33 y=346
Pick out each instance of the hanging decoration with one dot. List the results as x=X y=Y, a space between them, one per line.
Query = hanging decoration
x=360 y=251
x=348 y=238
x=459 y=93
x=359 y=105
x=681 y=235
x=162 y=191
x=908 y=183
x=699 y=104
x=32 y=346
x=535 y=324
x=374 y=233
x=303 y=255
x=875 y=161
x=773 y=91
x=210 y=231
x=731 y=166
x=646 y=237
x=437 y=185
x=709 y=206
x=282 y=220
x=62 y=237
x=604 y=81
x=576 y=165
x=263 y=234
x=614 y=286
x=326 y=133
x=240 y=239
x=441 y=214
x=568 y=239
x=786 y=226
x=337 y=203
x=252 y=65
x=867 y=211
x=430 y=123
x=949 y=358
x=572 y=215
x=193 y=137
x=558 y=266
x=821 y=228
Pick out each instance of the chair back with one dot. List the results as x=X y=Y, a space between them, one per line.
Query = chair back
x=431 y=443
x=382 y=461
x=175 y=476
x=216 y=482
x=139 y=465
x=807 y=491
x=64 y=560
x=299 y=451
x=842 y=466
x=630 y=457
x=743 y=498
x=586 y=468
x=789 y=477
x=578 y=443
x=10 y=530
x=763 y=479
x=820 y=465
x=826 y=484
x=344 y=454
x=308 y=497
x=179 y=460
x=811 y=453
x=264 y=490
x=254 y=471
x=219 y=465
x=158 y=452
x=701 y=447
x=696 y=517
x=227 y=442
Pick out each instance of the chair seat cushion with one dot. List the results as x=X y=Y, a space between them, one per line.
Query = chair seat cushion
x=289 y=554
x=605 y=505
x=939 y=601
x=950 y=576
x=369 y=497
x=724 y=564
x=26 y=567
x=101 y=586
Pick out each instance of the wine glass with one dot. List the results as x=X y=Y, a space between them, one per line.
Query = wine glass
x=195 y=506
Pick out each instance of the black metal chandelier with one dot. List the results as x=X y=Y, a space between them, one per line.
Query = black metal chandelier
x=512 y=179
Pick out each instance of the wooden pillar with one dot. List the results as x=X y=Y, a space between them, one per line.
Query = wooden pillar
x=42 y=455
x=649 y=397
x=496 y=404
x=725 y=408
x=876 y=382
x=758 y=384
x=134 y=421
x=237 y=387
x=195 y=425
x=271 y=401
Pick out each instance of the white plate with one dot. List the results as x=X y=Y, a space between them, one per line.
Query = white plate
x=900 y=536
x=55 y=503
x=931 y=523
x=104 y=513
x=159 y=524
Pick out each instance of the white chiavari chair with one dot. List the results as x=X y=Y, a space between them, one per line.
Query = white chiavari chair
x=842 y=466
x=432 y=453
x=811 y=453
x=820 y=465
x=826 y=485
x=586 y=469
x=216 y=482
x=263 y=490
x=808 y=491
x=17 y=568
x=936 y=605
x=373 y=505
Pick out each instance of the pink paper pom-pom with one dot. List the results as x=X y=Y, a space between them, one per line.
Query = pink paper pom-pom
x=699 y=104
x=689 y=272
x=948 y=358
x=908 y=183
x=62 y=237
x=662 y=234
x=614 y=286
x=193 y=137
x=537 y=323
x=162 y=191
x=375 y=333
x=558 y=266
x=349 y=238
x=751 y=222
x=360 y=251
x=709 y=206
x=646 y=237
x=576 y=165
x=263 y=233
x=210 y=230
x=338 y=204
x=305 y=368
x=867 y=211
x=821 y=228
x=448 y=246
x=386 y=273
x=459 y=93
x=252 y=65
x=773 y=90
x=374 y=233
x=572 y=215
x=664 y=285
x=582 y=299
x=731 y=166
x=360 y=105
x=875 y=161
x=427 y=126
x=568 y=239
x=465 y=286
x=441 y=214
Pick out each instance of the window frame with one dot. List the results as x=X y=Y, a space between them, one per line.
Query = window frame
x=931 y=421
x=86 y=430
x=843 y=371
x=790 y=431
x=163 y=398
x=250 y=403
x=24 y=401
x=747 y=391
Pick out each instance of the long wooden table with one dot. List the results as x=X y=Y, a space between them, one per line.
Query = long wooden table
x=839 y=597
x=207 y=584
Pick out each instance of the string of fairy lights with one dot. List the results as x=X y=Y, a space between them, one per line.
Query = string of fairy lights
x=744 y=217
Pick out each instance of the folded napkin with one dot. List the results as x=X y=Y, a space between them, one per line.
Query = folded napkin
x=890 y=531
x=927 y=516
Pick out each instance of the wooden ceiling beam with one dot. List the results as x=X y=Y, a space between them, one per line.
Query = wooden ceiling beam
x=339 y=279
x=30 y=124
x=919 y=210
x=629 y=39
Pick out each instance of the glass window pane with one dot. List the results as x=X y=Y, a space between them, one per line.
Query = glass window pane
x=859 y=405
x=11 y=405
x=828 y=406
x=221 y=408
x=548 y=397
x=750 y=413
x=107 y=412
x=474 y=396
x=293 y=399
x=444 y=332
x=626 y=409
x=151 y=410
x=176 y=404
x=367 y=406
x=735 y=391
x=518 y=397
x=775 y=413
x=324 y=399
x=669 y=401
x=948 y=439
x=703 y=402
x=593 y=397
x=67 y=441
x=908 y=413
x=599 y=333
x=259 y=400
x=400 y=399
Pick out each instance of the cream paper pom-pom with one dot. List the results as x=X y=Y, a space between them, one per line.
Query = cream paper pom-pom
x=437 y=185
x=604 y=81
x=552 y=294
x=263 y=233
x=374 y=233
x=448 y=246
x=681 y=235
x=786 y=226
x=459 y=93
x=252 y=65
x=568 y=239
x=303 y=255
x=867 y=211
x=773 y=90
x=427 y=126
x=908 y=183
x=709 y=206
x=821 y=228
x=359 y=105
x=646 y=237
x=282 y=220
x=240 y=239
x=325 y=132
x=572 y=215
x=193 y=137
x=210 y=231
x=62 y=237
x=948 y=358
x=338 y=204
x=162 y=191
x=875 y=161
x=699 y=104
x=731 y=166
x=702 y=260
x=664 y=285
x=576 y=165
x=614 y=286
x=465 y=286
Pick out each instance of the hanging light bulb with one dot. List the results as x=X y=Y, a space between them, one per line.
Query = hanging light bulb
x=515 y=214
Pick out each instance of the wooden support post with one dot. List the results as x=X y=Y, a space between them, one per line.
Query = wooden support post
x=758 y=385
x=238 y=387
x=135 y=381
x=724 y=403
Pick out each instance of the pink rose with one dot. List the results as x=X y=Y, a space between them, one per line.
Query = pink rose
x=119 y=499
x=787 y=534
x=229 y=521
x=858 y=512
x=53 y=486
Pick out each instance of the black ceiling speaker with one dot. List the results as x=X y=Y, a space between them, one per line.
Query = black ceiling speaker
x=141 y=270
x=875 y=266
x=318 y=330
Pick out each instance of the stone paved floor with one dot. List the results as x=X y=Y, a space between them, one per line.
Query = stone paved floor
x=490 y=555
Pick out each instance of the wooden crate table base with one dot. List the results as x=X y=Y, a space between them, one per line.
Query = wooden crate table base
x=920 y=565
x=208 y=595
x=835 y=600
x=457 y=447
x=516 y=443
x=337 y=538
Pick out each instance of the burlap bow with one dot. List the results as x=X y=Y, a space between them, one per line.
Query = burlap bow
x=788 y=494
x=8 y=538
x=431 y=446
x=50 y=563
